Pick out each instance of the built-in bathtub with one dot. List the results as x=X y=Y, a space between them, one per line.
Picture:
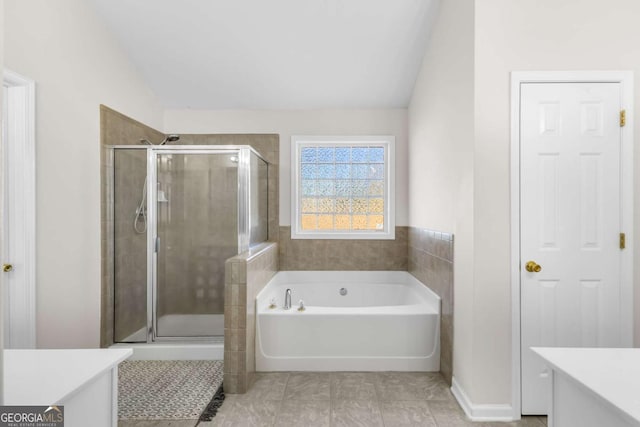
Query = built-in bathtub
x=387 y=321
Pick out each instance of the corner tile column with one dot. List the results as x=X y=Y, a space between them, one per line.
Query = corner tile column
x=431 y=262
x=245 y=276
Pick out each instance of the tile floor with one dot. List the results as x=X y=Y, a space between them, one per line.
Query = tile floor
x=338 y=399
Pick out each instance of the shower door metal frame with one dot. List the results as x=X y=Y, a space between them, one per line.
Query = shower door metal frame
x=244 y=226
x=244 y=219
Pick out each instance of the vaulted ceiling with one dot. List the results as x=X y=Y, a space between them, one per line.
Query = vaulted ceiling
x=274 y=54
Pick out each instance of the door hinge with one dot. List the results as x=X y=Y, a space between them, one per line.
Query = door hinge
x=623 y=239
x=623 y=117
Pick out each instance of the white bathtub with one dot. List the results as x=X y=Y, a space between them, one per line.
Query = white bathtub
x=387 y=321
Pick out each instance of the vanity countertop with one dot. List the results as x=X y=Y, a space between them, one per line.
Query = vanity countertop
x=612 y=374
x=46 y=377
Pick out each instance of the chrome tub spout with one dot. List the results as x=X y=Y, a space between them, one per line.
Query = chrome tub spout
x=287 y=299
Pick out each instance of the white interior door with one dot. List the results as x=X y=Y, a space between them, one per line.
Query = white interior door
x=18 y=212
x=3 y=225
x=570 y=213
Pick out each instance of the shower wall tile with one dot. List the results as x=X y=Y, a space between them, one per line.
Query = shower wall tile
x=124 y=252
x=265 y=144
x=273 y=201
x=106 y=244
x=268 y=145
x=246 y=275
x=130 y=266
x=130 y=251
x=118 y=129
x=431 y=262
x=325 y=254
x=196 y=235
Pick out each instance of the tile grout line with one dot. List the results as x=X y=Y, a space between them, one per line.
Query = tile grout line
x=378 y=400
x=281 y=402
x=433 y=417
x=331 y=400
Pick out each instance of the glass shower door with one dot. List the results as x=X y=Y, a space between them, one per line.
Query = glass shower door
x=196 y=196
x=129 y=190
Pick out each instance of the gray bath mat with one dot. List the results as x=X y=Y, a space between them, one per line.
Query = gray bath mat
x=212 y=408
x=166 y=389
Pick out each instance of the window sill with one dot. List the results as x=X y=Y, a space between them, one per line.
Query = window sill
x=380 y=235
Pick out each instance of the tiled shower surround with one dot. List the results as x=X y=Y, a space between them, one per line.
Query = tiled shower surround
x=431 y=262
x=116 y=128
x=124 y=308
x=268 y=145
x=130 y=248
x=194 y=231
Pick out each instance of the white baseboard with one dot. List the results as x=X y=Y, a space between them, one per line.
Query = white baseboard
x=481 y=412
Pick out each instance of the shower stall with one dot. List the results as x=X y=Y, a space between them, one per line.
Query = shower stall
x=179 y=212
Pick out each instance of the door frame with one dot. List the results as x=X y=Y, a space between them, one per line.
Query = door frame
x=20 y=198
x=625 y=78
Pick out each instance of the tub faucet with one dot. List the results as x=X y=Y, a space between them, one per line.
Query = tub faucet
x=287 y=299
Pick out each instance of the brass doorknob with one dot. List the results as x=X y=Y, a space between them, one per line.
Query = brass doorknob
x=532 y=267
x=7 y=268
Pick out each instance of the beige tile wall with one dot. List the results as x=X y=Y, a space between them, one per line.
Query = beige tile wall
x=130 y=267
x=324 y=254
x=130 y=248
x=118 y=129
x=259 y=201
x=431 y=262
x=197 y=231
x=268 y=145
x=246 y=275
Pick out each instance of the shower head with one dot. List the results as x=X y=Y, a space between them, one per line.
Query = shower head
x=168 y=138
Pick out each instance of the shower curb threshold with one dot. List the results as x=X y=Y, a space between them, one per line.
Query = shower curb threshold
x=175 y=350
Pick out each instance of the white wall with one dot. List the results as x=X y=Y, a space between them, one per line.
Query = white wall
x=441 y=157
x=459 y=149
x=302 y=122
x=519 y=36
x=77 y=65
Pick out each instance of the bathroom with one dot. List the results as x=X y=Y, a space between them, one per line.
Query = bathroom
x=431 y=83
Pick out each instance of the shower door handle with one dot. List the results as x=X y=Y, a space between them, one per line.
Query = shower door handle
x=157 y=246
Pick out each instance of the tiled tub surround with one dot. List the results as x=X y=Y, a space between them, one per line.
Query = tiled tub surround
x=116 y=128
x=246 y=275
x=326 y=254
x=431 y=262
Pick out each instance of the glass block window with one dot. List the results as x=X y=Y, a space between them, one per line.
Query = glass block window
x=342 y=187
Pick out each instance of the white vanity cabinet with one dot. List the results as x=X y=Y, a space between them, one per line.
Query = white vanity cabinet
x=84 y=381
x=593 y=387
